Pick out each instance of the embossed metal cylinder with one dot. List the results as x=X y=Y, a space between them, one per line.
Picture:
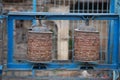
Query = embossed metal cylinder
x=39 y=46
x=86 y=46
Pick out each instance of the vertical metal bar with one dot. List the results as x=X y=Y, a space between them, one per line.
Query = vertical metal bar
x=88 y=7
x=2 y=37
x=110 y=44
x=115 y=42
x=101 y=34
x=107 y=28
x=119 y=41
x=102 y=6
x=64 y=2
x=83 y=6
x=110 y=32
x=92 y=11
x=69 y=3
x=10 y=28
x=107 y=9
x=101 y=39
x=1 y=41
x=54 y=3
x=92 y=6
x=118 y=8
x=59 y=3
x=115 y=75
x=73 y=6
x=97 y=12
x=45 y=5
x=78 y=22
x=34 y=5
x=97 y=6
x=112 y=6
x=117 y=4
x=34 y=9
x=73 y=22
x=79 y=6
x=83 y=9
x=108 y=55
x=33 y=73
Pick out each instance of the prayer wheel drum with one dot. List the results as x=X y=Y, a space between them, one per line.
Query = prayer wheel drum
x=39 y=46
x=86 y=46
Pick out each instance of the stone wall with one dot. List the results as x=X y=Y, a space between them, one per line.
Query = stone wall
x=58 y=75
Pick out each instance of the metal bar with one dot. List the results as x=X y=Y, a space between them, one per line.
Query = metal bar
x=83 y=9
x=101 y=52
x=63 y=14
x=3 y=17
x=34 y=5
x=60 y=16
x=101 y=34
x=118 y=12
x=112 y=6
x=1 y=68
x=110 y=32
x=93 y=12
x=110 y=44
x=88 y=6
x=97 y=6
x=119 y=43
x=19 y=66
x=10 y=31
x=34 y=9
x=102 y=6
x=108 y=6
x=64 y=2
x=107 y=28
x=79 y=6
x=59 y=66
x=101 y=39
x=59 y=3
x=55 y=2
x=115 y=74
x=118 y=6
x=115 y=42
x=2 y=57
x=73 y=22
x=33 y=73
x=66 y=17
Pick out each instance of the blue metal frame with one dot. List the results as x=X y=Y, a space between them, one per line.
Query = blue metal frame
x=59 y=16
x=1 y=68
x=110 y=38
x=34 y=5
x=34 y=9
x=118 y=11
x=118 y=6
